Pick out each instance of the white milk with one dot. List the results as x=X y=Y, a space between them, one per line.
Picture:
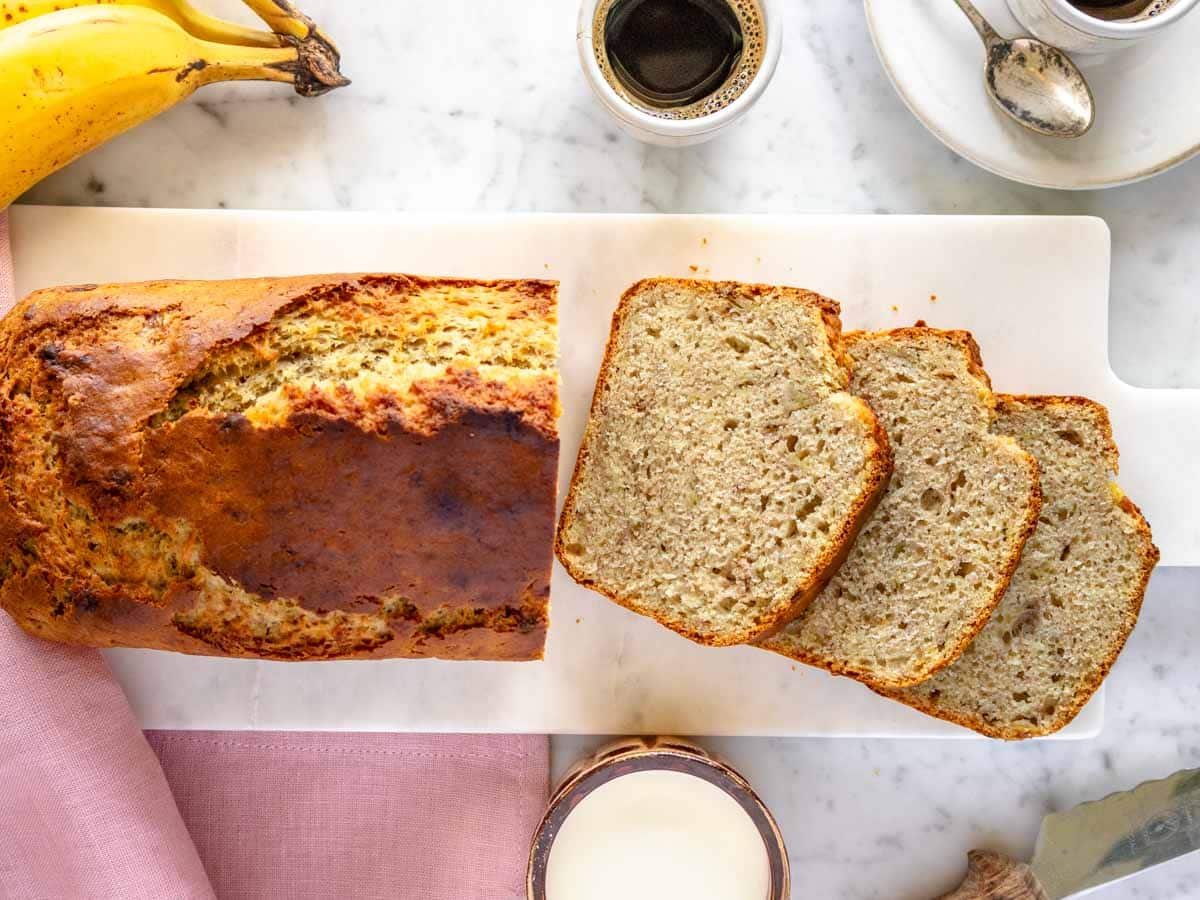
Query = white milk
x=659 y=835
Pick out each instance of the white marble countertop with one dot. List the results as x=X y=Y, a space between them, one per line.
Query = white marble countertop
x=463 y=105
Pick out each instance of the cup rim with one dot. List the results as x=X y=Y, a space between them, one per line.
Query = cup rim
x=631 y=115
x=1081 y=21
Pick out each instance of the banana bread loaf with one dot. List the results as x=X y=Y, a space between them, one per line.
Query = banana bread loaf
x=301 y=468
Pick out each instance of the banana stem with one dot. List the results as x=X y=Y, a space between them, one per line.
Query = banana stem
x=283 y=18
x=305 y=64
x=210 y=28
x=319 y=56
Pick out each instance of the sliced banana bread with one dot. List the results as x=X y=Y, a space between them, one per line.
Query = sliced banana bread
x=1075 y=596
x=724 y=471
x=934 y=559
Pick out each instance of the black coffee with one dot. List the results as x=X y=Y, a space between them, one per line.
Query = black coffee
x=671 y=53
x=679 y=59
x=1114 y=10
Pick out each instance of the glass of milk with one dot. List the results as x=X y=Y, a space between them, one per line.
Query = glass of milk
x=656 y=818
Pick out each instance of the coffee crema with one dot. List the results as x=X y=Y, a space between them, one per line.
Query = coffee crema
x=679 y=59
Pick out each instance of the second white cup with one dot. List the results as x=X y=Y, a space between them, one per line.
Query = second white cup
x=1062 y=24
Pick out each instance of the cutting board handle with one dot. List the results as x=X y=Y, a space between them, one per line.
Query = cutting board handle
x=993 y=876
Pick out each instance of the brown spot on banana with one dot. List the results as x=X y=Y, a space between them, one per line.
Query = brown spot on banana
x=196 y=65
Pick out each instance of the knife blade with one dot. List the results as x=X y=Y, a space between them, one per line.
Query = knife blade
x=1095 y=844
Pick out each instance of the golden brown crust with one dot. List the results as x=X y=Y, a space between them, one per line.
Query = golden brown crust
x=879 y=468
x=1098 y=411
x=953 y=652
x=966 y=342
x=1149 y=554
x=349 y=525
x=977 y=624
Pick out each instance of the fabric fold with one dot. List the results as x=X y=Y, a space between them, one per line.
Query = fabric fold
x=85 y=810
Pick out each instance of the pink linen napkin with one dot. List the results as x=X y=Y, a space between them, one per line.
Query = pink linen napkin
x=85 y=810
x=426 y=817
x=91 y=807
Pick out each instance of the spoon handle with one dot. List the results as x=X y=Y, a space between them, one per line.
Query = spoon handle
x=985 y=30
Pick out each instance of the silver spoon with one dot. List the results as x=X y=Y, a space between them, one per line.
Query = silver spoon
x=1034 y=83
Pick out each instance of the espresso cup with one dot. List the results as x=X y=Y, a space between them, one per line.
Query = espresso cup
x=1069 y=28
x=668 y=127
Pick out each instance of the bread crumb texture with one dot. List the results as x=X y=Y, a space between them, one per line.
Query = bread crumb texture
x=305 y=468
x=935 y=557
x=724 y=467
x=1074 y=598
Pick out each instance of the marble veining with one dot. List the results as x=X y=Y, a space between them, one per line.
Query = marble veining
x=462 y=105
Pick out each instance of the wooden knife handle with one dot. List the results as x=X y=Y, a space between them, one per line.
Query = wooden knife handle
x=992 y=876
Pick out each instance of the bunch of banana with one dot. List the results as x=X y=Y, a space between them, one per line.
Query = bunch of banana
x=75 y=73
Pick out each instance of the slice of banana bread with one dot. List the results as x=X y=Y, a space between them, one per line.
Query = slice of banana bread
x=724 y=471
x=933 y=561
x=1075 y=596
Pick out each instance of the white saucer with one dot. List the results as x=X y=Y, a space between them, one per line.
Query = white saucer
x=935 y=60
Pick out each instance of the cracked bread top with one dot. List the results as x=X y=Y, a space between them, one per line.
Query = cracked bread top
x=298 y=468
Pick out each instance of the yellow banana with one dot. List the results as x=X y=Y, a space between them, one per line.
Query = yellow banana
x=72 y=79
x=195 y=22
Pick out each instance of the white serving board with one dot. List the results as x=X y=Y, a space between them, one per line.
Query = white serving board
x=1033 y=290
